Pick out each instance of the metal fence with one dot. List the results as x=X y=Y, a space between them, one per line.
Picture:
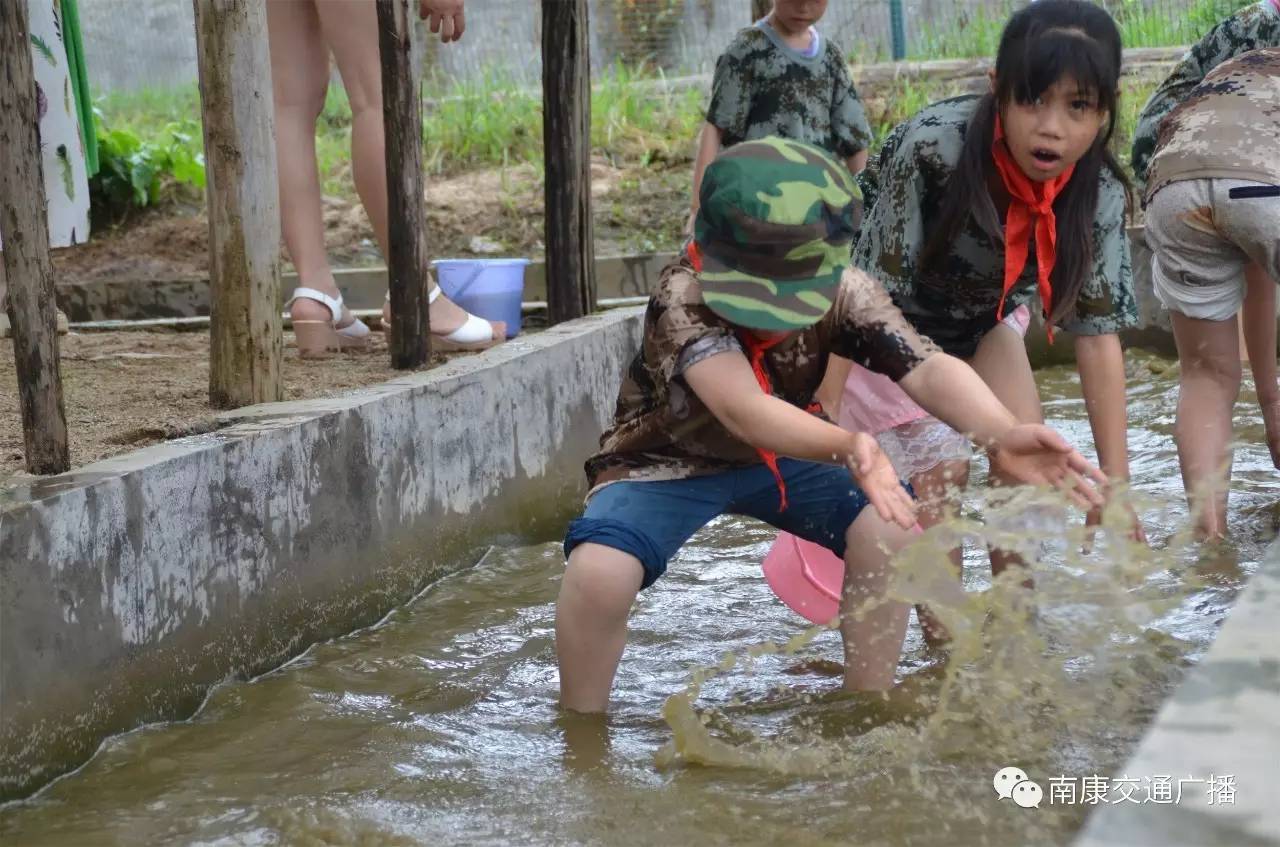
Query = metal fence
x=134 y=44
x=686 y=36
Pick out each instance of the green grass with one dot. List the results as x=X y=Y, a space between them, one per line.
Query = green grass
x=976 y=33
x=487 y=121
x=1155 y=27
x=154 y=144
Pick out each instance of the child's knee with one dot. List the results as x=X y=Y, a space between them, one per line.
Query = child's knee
x=870 y=540
x=603 y=576
x=1221 y=367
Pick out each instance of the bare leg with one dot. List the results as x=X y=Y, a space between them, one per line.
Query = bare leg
x=1259 y=328
x=1001 y=361
x=350 y=29
x=872 y=636
x=299 y=80
x=599 y=587
x=937 y=490
x=1209 y=353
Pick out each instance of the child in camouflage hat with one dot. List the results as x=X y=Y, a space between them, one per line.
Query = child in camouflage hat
x=988 y=203
x=782 y=77
x=717 y=415
x=1253 y=27
x=1213 y=223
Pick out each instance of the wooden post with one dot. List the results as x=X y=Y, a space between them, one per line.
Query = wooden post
x=566 y=135
x=245 y=336
x=410 y=341
x=760 y=8
x=24 y=229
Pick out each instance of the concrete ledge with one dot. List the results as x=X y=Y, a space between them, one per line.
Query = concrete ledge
x=362 y=288
x=1223 y=720
x=131 y=586
x=617 y=277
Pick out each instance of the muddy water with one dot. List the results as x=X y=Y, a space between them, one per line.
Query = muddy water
x=437 y=726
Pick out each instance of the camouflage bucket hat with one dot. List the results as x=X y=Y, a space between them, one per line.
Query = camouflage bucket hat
x=774 y=228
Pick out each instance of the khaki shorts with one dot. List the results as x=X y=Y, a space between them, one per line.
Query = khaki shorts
x=1202 y=240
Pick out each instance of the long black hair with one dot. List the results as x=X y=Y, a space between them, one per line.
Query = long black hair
x=1042 y=43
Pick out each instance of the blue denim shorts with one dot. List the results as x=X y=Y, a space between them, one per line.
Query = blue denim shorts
x=652 y=520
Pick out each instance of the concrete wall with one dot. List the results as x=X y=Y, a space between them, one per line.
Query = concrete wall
x=129 y=587
x=1223 y=720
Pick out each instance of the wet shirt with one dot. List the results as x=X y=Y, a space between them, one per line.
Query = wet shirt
x=1252 y=28
x=763 y=87
x=661 y=430
x=957 y=305
x=1228 y=127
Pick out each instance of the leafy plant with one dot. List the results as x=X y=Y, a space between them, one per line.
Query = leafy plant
x=133 y=172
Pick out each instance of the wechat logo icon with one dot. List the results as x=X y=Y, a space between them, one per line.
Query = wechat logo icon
x=1013 y=784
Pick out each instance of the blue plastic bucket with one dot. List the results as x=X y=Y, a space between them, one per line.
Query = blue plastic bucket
x=489 y=288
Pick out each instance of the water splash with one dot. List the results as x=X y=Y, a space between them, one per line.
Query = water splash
x=1027 y=674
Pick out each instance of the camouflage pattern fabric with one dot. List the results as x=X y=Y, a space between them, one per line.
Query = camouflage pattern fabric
x=957 y=307
x=762 y=87
x=775 y=223
x=1228 y=127
x=1254 y=27
x=661 y=430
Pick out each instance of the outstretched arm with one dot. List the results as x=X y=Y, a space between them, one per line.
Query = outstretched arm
x=727 y=386
x=1100 y=360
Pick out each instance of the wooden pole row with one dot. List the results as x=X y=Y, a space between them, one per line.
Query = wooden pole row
x=246 y=336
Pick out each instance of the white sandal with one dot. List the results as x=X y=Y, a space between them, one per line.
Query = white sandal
x=318 y=339
x=476 y=333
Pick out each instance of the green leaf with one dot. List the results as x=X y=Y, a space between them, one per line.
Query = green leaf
x=43 y=49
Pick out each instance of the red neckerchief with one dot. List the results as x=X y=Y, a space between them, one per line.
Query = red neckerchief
x=1030 y=205
x=755 y=349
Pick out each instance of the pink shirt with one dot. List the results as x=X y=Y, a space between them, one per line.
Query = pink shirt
x=874 y=403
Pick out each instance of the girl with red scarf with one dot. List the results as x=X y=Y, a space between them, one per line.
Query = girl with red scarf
x=990 y=203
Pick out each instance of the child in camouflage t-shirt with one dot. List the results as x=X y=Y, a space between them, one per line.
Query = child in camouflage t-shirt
x=1213 y=223
x=781 y=77
x=716 y=415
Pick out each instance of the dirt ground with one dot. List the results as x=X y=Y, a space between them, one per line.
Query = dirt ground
x=498 y=210
x=125 y=390
x=130 y=389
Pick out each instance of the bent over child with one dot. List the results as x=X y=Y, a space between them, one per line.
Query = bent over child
x=1213 y=223
x=716 y=415
x=988 y=204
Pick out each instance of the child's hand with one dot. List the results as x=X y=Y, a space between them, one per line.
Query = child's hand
x=688 y=224
x=1033 y=454
x=879 y=481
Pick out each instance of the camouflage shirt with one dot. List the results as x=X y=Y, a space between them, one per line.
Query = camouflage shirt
x=1228 y=127
x=661 y=430
x=763 y=87
x=958 y=306
x=1253 y=27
